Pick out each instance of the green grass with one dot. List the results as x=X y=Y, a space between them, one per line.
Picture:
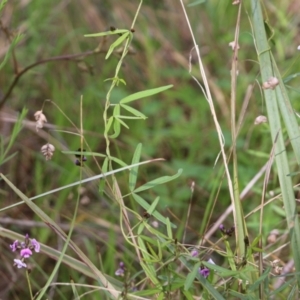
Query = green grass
x=104 y=220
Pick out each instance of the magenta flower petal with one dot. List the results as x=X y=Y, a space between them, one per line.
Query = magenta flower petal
x=36 y=245
x=14 y=246
x=26 y=252
x=204 y=272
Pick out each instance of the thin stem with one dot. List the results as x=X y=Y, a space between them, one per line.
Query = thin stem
x=43 y=61
x=29 y=284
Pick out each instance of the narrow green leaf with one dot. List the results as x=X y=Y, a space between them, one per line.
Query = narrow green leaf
x=293 y=174
x=140 y=228
x=191 y=276
x=289 y=78
x=102 y=182
x=117 y=129
x=159 y=250
x=169 y=229
x=161 y=296
x=11 y=47
x=253 y=287
x=150 y=272
x=2 y=4
x=134 y=171
x=118 y=42
x=225 y=272
x=111 y=32
x=153 y=206
x=157 y=181
x=149 y=240
x=118 y=161
x=117 y=126
x=147 y=292
x=119 y=119
x=15 y=132
x=134 y=111
x=240 y=296
x=108 y=125
x=116 y=111
x=74 y=289
x=155 y=257
x=148 y=268
x=85 y=153
x=2 y=162
x=287 y=113
x=144 y=94
x=188 y=295
x=143 y=203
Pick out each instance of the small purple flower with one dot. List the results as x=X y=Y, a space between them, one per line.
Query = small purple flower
x=14 y=246
x=121 y=270
x=36 y=245
x=204 y=272
x=20 y=264
x=222 y=227
x=194 y=253
x=26 y=252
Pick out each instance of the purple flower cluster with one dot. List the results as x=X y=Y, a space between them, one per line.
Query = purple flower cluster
x=25 y=248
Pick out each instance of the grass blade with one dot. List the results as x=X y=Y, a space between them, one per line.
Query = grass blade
x=266 y=65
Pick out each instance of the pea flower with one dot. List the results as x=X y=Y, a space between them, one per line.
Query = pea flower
x=204 y=272
x=19 y=264
x=194 y=253
x=25 y=250
x=121 y=270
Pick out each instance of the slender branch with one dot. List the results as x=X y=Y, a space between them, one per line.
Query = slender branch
x=43 y=61
x=46 y=60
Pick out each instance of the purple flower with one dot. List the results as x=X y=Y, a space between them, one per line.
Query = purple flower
x=204 y=272
x=194 y=253
x=25 y=249
x=14 y=246
x=36 y=245
x=121 y=270
x=20 y=264
x=26 y=252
